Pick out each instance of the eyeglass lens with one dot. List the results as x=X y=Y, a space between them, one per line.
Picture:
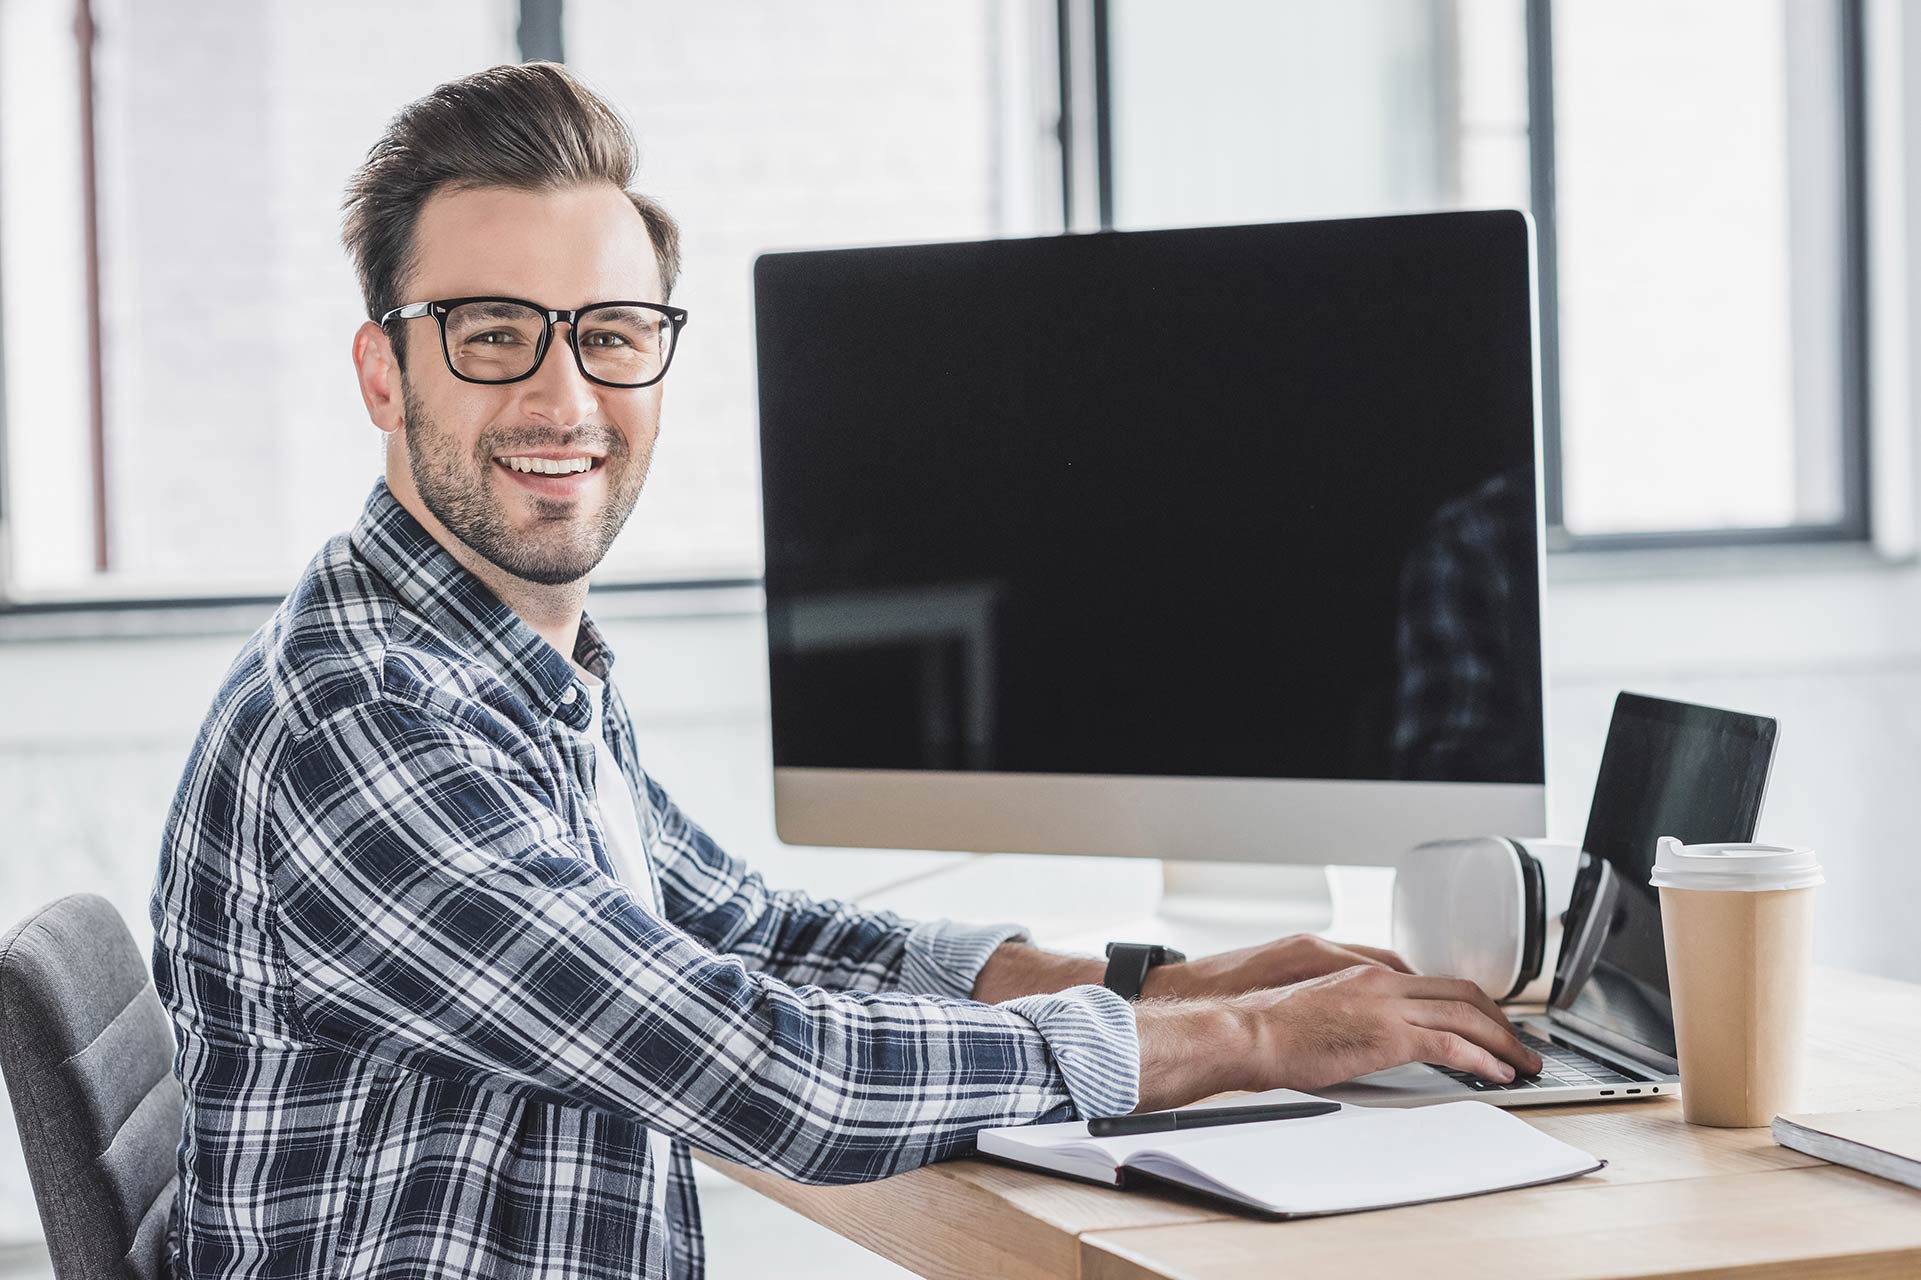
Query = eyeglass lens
x=498 y=341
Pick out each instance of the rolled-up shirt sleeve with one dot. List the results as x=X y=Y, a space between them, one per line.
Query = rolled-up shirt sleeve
x=945 y=958
x=716 y=896
x=1091 y=1029
x=1092 y=1034
x=434 y=911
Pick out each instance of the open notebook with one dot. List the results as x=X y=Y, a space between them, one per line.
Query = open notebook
x=1356 y=1158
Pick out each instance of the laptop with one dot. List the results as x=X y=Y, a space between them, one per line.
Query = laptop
x=1668 y=769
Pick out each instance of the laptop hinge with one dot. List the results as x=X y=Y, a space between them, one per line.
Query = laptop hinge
x=1613 y=1050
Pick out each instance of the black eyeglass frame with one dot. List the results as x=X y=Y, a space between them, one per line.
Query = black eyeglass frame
x=440 y=308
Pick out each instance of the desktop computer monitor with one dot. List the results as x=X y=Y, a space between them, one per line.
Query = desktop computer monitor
x=1218 y=543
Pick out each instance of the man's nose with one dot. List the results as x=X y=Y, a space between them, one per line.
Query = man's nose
x=557 y=391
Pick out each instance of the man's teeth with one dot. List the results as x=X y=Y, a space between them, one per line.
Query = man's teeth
x=550 y=466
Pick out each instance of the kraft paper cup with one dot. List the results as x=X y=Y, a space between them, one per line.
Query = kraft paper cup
x=1738 y=923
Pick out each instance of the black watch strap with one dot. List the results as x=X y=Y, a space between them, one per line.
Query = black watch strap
x=1128 y=963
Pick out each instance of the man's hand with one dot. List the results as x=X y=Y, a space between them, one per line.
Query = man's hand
x=1299 y=1013
x=1320 y=1032
x=1292 y=959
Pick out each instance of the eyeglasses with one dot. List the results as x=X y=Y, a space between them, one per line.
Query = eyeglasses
x=492 y=340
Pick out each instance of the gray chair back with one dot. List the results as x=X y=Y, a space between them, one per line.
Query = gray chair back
x=88 y=1059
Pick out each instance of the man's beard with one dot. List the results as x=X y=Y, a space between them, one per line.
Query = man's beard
x=458 y=488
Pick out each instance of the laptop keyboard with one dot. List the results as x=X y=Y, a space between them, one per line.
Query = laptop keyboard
x=1560 y=1066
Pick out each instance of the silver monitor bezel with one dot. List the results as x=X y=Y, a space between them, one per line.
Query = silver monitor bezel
x=1334 y=822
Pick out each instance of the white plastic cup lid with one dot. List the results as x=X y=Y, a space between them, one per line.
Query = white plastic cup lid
x=1749 y=868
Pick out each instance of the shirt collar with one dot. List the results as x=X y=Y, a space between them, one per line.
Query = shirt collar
x=460 y=606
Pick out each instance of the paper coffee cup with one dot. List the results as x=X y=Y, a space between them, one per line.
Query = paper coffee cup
x=1738 y=923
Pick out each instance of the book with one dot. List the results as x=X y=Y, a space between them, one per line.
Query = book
x=1886 y=1144
x=1354 y=1159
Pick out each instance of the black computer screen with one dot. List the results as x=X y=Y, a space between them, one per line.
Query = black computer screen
x=1252 y=501
x=1698 y=774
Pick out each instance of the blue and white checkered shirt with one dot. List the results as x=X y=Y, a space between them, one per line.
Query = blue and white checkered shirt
x=423 y=1028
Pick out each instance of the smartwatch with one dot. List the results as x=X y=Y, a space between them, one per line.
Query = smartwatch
x=1128 y=963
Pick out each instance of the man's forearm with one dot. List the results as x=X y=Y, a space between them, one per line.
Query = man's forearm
x=1189 y=1048
x=1021 y=969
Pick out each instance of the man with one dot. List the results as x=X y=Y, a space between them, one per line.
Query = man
x=456 y=984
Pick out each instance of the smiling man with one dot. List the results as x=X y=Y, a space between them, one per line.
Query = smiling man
x=455 y=983
x=525 y=470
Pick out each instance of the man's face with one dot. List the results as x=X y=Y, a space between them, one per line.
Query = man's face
x=562 y=249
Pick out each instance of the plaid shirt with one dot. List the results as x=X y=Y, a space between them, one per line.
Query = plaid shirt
x=422 y=1027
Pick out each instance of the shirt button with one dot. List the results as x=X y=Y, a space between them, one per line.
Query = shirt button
x=567 y=698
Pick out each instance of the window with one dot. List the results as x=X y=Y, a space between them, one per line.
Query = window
x=1256 y=110
x=231 y=438
x=769 y=125
x=1693 y=167
x=1704 y=195
x=179 y=413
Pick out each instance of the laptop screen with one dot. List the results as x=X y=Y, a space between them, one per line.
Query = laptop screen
x=1668 y=769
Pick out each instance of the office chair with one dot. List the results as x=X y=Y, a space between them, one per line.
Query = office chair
x=88 y=1060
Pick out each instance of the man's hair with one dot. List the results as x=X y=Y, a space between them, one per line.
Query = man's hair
x=528 y=127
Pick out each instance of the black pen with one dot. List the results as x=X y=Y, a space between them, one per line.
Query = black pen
x=1201 y=1117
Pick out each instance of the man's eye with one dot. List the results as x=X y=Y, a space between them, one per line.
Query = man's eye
x=613 y=339
x=505 y=336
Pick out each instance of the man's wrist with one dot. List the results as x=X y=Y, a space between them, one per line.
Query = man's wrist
x=1021 y=969
x=1190 y=1049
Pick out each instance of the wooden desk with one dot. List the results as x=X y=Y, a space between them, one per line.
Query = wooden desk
x=1675 y=1200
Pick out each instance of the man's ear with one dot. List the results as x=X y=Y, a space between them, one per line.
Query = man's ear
x=379 y=377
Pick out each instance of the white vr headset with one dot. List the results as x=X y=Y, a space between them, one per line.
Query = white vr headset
x=1485 y=908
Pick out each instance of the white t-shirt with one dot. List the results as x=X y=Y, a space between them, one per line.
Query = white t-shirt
x=620 y=832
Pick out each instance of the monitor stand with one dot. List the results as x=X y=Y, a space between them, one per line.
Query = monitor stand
x=1207 y=907
x=1079 y=904
x=1290 y=899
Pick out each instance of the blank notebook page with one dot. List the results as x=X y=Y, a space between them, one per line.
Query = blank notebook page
x=1363 y=1158
x=1357 y=1158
